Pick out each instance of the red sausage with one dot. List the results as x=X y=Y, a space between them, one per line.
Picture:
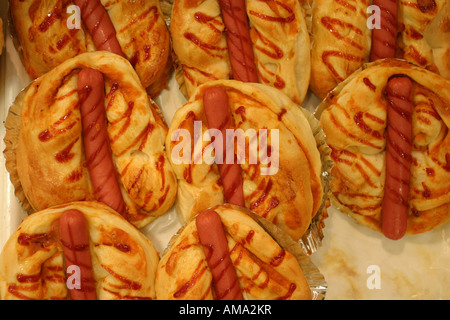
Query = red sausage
x=238 y=39
x=212 y=237
x=398 y=157
x=217 y=111
x=100 y=26
x=75 y=240
x=384 y=39
x=96 y=143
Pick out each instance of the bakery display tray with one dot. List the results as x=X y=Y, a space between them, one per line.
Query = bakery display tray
x=357 y=263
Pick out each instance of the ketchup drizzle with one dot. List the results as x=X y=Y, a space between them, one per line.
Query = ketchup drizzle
x=213 y=23
x=49 y=20
x=66 y=155
x=191 y=282
x=369 y=84
x=22 y=278
x=213 y=51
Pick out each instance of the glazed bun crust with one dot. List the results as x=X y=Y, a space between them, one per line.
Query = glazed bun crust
x=199 y=43
x=253 y=253
x=45 y=40
x=124 y=261
x=40 y=28
x=424 y=38
x=289 y=196
x=279 y=35
x=341 y=42
x=145 y=40
x=50 y=156
x=354 y=121
x=281 y=45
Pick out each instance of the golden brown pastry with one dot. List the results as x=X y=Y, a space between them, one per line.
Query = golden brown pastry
x=289 y=196
x=354 y=120
x=342 y=39
x=264 y=269
x=198 y=65
x=32 y=263
x=425 y=34
x=279 y=38
x=50 y=159
x=341 y=42
x=46 y=40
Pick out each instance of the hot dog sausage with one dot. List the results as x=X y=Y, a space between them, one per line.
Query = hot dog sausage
x=95 y=137
x=238 y=39
x=384 y=39
x=217 y=111
x=398 y=157
x=212 y=237
x=75 y=241
x=100 y=26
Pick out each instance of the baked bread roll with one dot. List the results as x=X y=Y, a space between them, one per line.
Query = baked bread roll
x=264 y=269
x=341 y=42
x=354 y=120
x=425 y=34
x=279 y=36
x=46 y=41
x=50 y=160
x=289 y=196
x=342 y=39
x=32 y=263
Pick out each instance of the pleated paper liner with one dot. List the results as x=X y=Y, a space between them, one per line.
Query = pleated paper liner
x=312 y=238
x=12 y=125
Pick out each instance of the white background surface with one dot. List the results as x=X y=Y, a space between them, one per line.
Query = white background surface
x=357 y=263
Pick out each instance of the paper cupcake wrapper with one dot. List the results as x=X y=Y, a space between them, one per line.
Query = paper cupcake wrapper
x=12 y=125
x=312 y=239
